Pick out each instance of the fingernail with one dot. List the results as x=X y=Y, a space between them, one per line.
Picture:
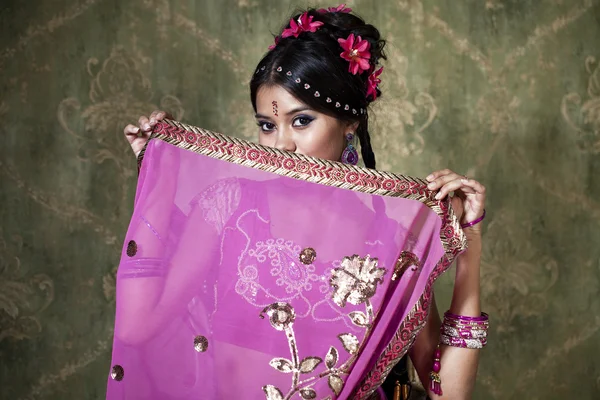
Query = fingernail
x=152 y=121
x=429 y=177
x=464 y=180
x=147 y=127
x=431 y=185
x=438 y=196
x=136 y=129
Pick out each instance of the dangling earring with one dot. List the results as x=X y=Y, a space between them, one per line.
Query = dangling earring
x=350 y=155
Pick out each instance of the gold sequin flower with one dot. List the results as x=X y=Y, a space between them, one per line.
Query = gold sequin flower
x=355 y=280
x=281 y=315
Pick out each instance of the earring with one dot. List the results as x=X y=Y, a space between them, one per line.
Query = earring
x=350 y=155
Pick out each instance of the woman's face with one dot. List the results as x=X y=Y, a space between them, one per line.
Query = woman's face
x=288 y=124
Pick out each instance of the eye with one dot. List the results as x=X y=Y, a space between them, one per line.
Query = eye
x=266 y=126
x=302 y=121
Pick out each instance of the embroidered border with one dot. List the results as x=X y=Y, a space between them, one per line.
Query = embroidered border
x=340 y=175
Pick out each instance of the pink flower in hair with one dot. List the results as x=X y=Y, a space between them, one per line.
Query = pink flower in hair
x=341 y=8
x=277 y=39
x=357 y=52
x=304 y=24
x=373 y=82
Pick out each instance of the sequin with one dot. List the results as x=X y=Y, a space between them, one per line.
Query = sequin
x=297 y=80
x=279 y=69
x=281 y=315
x=328 y=100
x=350 y=342
x=317 y=94
x=405 y=260
x=117 y=373
x=336 y=384
x=289 y=73
x=306 y=86
x=355 y=280
x=132 y=248
x=200 y=344
x=307 y=256
x=308 y=394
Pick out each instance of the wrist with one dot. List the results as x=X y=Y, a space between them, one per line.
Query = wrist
x=473 y=233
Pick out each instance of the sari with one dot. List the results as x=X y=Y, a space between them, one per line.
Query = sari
x=252 y=273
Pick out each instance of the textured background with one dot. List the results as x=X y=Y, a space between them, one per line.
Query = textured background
x=507 y=91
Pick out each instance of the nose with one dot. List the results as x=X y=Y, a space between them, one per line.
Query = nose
x=285 y=140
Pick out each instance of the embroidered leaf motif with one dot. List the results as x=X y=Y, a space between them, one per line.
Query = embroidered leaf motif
x=272 y=392
x=308 y=394
x=282 y=364
x=309 y=364
x=359 y=318
x=336 y=384
x=332 y=357
x=350 y=342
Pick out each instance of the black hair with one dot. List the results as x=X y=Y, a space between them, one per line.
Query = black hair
x=311 y=69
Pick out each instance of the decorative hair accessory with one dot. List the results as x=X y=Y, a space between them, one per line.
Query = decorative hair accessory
x=373 y=82
x=470 y=224
x=304 y=24
x=277 y=39
x=356 y=50
x=458 y=331
x=341 y=9
x=350 y=155
x=317 y=93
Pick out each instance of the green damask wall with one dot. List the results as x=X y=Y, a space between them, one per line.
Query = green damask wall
x=507 y=91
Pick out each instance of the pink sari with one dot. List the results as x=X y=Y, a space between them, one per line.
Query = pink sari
x=252 y=273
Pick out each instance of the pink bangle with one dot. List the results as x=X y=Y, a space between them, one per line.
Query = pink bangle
x=478 y=220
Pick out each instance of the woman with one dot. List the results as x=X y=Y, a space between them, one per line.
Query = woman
x=311 y=94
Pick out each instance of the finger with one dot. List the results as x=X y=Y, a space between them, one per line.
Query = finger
x=144 y=123
x=131 y=132
x=442 y=180
x=436 y=174
x=450 y=187
x=160 y=115
x=473 y=184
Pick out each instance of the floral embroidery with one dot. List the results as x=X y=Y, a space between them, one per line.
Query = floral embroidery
x=355 y=281
x=284 y=258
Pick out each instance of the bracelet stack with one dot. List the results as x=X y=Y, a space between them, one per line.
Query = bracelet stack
x=458 y=331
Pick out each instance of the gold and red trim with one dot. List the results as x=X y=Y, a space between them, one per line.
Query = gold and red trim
x=332 y=173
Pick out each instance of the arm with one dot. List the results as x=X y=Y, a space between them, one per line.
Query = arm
x=459 y=366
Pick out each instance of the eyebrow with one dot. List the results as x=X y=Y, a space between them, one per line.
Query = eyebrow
x=294 y=111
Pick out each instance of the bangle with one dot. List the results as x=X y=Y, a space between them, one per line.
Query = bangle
x=463 y=343
x=470 y=224
x=464 y=333
x=458 y=331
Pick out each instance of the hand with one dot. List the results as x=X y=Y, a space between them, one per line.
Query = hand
x=468 y=201
x=137 y=136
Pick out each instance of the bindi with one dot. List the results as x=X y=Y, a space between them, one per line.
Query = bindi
x=275 y=110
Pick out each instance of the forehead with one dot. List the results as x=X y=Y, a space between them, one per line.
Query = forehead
x=268 y=94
